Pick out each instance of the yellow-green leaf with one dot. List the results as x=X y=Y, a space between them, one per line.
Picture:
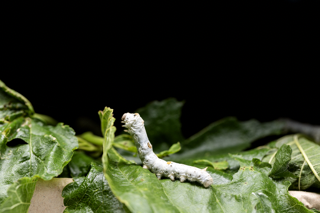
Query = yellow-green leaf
x=222 y=165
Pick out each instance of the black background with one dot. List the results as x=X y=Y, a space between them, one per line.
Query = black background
x=234 y=60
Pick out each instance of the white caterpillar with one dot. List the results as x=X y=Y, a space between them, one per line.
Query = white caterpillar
x=161 y=168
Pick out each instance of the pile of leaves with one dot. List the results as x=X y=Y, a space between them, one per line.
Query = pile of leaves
x=108 y=175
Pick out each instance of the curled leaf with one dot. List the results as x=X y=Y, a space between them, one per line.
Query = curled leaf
x=173 y=149
x=222 y=165
x=125 y=142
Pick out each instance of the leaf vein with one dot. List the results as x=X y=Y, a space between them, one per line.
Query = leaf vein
x=306 y=157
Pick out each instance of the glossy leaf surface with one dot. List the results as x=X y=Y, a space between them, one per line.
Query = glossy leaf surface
x=44 y=152
x=91 y=194
x=28 y=147
x=19 y=196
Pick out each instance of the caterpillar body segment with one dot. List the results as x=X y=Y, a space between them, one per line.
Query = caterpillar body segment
x=135 y=125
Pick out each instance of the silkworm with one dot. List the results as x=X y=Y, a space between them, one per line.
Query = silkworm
x=161 y=168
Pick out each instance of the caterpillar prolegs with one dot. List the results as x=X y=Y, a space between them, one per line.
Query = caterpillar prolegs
x=135 y=125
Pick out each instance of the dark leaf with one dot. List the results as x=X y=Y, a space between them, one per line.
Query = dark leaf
x=91 y=194
x=226 y=136
x=162 y=122
x=280 y=165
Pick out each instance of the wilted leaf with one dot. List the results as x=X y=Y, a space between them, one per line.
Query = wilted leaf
x=91 y=194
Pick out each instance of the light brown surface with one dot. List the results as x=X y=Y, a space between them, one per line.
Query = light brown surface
x=309 y=199
x=47 y=196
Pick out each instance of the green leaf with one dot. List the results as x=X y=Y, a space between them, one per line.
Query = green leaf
x=251 y=190
x=13 y=104
x=161 y=119
x=90 y=137
x=28 y=147
x=19 y=196
x=79 y=165
x=304 y=163
x=136 y=187
x=106 y=120
x=226 y=136
x=233 y=165
x=108 y=131
x=126 y=142
x=87 y=146
x=91 y=194
x=222 y=165
x=222 y=137
x=45 y=119
x=173 y=149
x=44 y=152
x=280 y=165
x=130 y=181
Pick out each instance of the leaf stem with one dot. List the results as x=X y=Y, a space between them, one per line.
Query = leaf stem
x=300 y=174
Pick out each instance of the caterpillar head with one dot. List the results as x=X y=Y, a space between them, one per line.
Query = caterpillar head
x=208 y=182
x=132 y=121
